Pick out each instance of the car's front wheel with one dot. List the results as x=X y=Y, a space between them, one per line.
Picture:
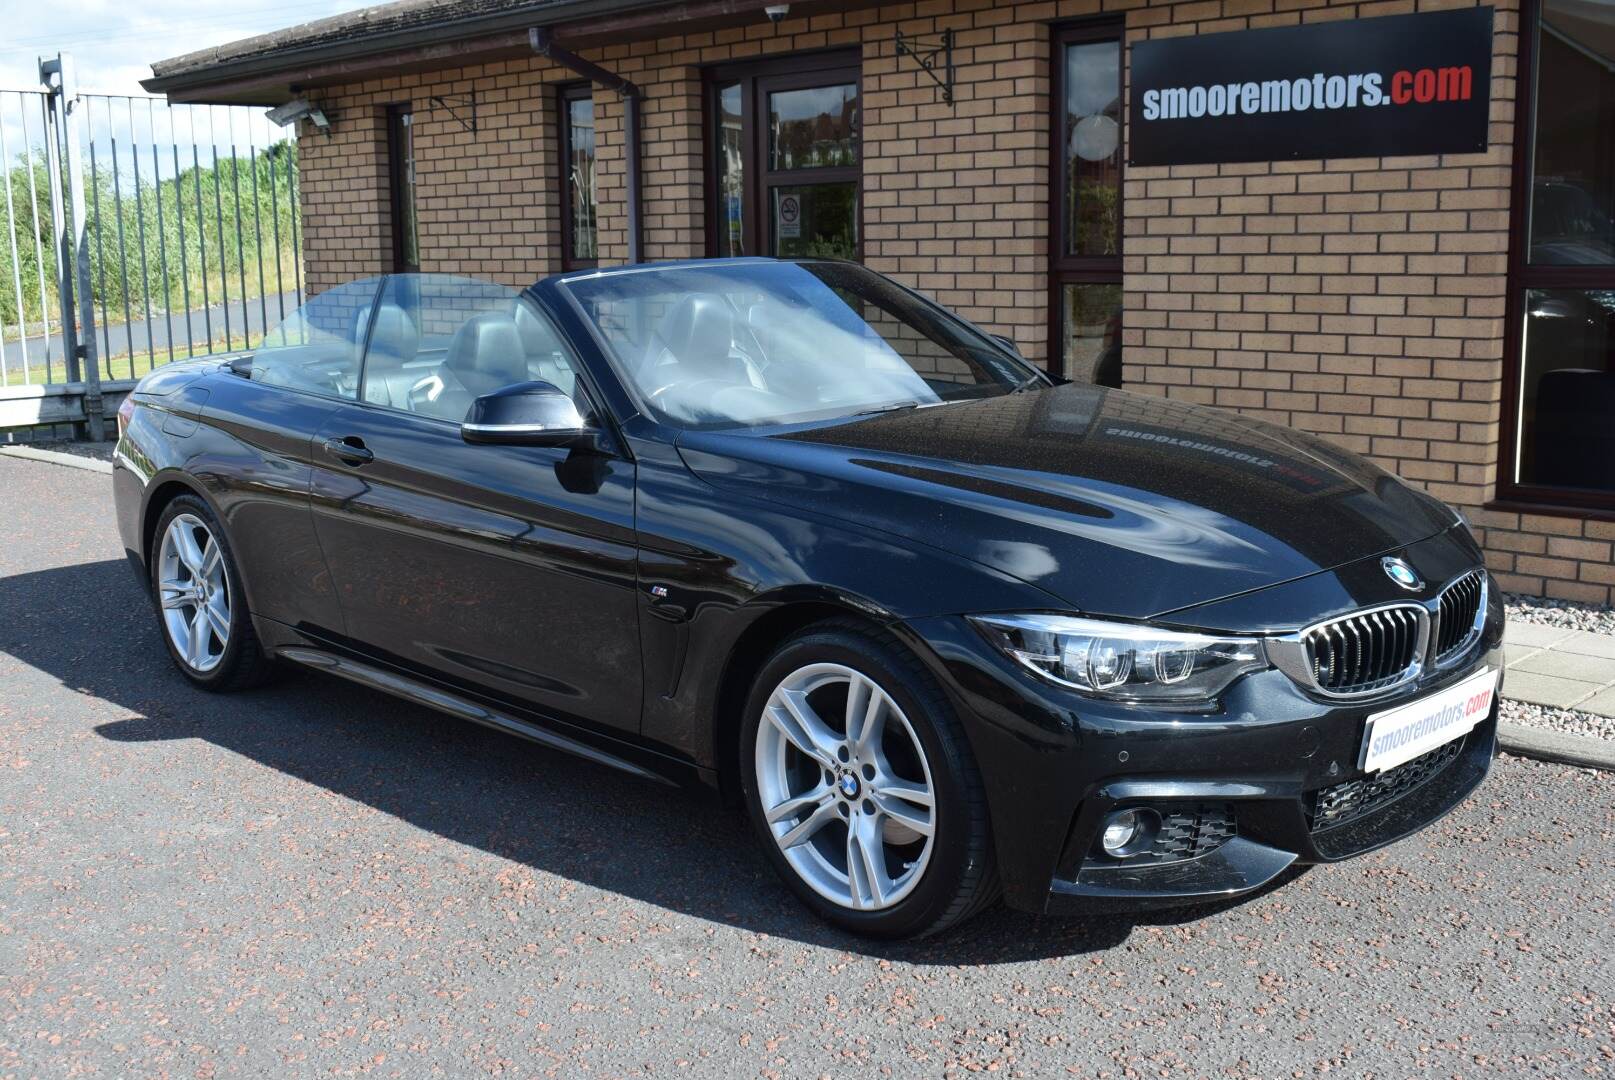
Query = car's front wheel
x=862 y=787
x=197 y=588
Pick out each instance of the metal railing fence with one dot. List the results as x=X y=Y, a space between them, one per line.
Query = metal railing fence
x=31 y=294
x=134 y=233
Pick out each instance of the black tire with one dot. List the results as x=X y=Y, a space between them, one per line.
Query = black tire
x=243 y=663
x=961 y=877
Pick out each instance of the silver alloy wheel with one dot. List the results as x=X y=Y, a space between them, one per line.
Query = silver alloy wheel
x=194 y=592
x=845 y=787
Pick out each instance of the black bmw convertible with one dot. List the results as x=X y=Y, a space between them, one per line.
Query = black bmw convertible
x=949 y=630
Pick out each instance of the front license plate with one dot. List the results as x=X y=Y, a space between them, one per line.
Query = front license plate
x=1403 y=733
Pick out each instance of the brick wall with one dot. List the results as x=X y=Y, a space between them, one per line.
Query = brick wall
x=487 y=203
x=342 y=181
x=1361 y=299
x=954 y=197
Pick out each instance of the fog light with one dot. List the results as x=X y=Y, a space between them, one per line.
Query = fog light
x=1128 y=832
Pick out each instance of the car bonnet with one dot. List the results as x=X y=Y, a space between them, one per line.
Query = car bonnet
x=1118 y=503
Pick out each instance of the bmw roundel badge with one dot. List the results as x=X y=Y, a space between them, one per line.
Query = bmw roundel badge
x=1401 y=573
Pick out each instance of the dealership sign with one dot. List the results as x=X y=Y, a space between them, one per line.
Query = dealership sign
x=1403 y=84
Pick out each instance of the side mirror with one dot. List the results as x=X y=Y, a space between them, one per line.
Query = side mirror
x=527 y=414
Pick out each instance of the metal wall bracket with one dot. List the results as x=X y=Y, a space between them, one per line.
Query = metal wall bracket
x=463 y=107
x=934 y=56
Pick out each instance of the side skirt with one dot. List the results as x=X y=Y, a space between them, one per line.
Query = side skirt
x=436 y=697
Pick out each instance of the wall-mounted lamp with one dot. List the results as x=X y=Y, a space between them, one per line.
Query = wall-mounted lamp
x=300 y=109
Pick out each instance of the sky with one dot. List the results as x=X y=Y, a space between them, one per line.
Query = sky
x=113 y=43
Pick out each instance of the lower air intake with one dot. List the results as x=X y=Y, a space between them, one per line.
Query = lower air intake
x=1188 y=832
x=1355 y=798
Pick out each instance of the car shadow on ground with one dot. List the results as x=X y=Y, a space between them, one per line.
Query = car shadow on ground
x=90 y=626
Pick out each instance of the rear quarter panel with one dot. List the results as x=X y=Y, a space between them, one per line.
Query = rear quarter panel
x=244 y=448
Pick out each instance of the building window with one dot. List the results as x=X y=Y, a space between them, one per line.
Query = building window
x=401 y=166
x=1085 y=251
x=1559 y=437
x=729 y=170
x=785 y=151
x=580 y=206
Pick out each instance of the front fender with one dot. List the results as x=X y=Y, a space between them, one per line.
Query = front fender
x=717 y=568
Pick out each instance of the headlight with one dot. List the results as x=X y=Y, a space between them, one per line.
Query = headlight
x=1124 y=661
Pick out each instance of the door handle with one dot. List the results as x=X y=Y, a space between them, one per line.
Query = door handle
x=350 y=449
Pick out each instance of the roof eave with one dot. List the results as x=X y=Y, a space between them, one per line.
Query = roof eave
x=274 y=66
x=273 y=77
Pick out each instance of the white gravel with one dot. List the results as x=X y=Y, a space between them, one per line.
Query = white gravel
x=1568 y=615
x=1564 y=721
x=1565 y=613
x=101 y=451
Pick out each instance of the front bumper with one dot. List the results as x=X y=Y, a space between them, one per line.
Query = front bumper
x=1274 y=830
x=1055 y=765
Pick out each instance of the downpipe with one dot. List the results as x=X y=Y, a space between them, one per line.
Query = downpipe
x=543 y=43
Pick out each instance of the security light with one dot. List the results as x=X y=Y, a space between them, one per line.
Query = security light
x=299 y=109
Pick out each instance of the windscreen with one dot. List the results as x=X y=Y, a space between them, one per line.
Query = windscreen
x=748 y=344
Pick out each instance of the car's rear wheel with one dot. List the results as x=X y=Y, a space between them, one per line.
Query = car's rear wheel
x=196 y=585
x=861 y=785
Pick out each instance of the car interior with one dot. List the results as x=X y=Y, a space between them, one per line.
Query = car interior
x=730 y=352
x=486 y=352
x=752 y=355
x=436 y=344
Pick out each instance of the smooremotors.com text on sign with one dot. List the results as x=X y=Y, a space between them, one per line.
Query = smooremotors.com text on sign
x=1398 y=85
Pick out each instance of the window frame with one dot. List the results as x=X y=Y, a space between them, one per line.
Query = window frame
x=1079 y=269
x=565 y=95
x=1523 y=276
x=401 y=176
x=713 y=85
x=757 y=79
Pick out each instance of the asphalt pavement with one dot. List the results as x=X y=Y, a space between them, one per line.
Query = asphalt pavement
x=313 y=879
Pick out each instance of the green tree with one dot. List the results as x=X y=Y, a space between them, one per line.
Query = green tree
x=208 y=232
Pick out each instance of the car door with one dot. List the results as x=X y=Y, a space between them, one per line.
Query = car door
x=508 y=570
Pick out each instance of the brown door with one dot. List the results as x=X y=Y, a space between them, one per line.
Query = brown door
x=785 y=148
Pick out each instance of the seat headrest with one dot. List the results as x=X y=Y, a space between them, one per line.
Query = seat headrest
x=394 y=339
x=489 y=346
x=538 y=340
x=699 y=332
